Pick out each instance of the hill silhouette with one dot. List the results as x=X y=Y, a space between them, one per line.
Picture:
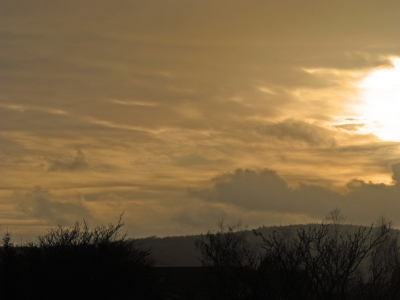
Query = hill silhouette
x=180 y=251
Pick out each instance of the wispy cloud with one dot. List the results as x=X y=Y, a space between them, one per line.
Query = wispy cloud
x=41 y=204
x=78 y=163
x=133 y=103
x=22 y=108
x=350 y=126
x=296 y=131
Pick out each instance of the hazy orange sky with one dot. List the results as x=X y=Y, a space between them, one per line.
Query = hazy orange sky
x=182 y=113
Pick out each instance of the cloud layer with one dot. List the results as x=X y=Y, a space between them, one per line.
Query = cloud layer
x=123 y=107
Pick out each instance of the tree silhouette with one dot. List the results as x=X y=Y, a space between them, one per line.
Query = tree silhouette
x=383 y=279
x=320 y=261
x=328 y=265
x=231 y=260
x=79 y=263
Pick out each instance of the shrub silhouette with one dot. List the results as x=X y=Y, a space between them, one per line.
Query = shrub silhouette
x=79 y=263
x=322 y=261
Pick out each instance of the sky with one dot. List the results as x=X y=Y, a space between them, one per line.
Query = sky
x=181 y=113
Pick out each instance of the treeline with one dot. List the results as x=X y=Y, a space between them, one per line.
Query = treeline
x=322 y=261
x=76 y=263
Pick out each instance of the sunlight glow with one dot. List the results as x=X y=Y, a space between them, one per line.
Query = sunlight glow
x=380 y=92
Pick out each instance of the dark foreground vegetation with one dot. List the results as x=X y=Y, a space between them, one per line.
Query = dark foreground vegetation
x=76 y=263
x=321 y=261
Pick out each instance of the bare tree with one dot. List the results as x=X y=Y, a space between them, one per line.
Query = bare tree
x=232 y=261
x=322 y=261
x=383 y=278
x=316 y=263
x=335 y=219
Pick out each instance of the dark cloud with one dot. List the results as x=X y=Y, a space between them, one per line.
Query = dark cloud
x=292 y=130
x=266 y=190
x=250 y=187
x=78 y=163
x=45 y=206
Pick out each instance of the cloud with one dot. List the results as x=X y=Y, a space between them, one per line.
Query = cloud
x=266 y=190
x=78 y=163
x=292 y=130
x=45 y=206
x=350 y=127
x=133 y=103
x=396 y=173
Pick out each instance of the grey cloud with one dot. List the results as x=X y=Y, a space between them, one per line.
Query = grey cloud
x=78 y=163
x=43 y=205
x=248 y=188
x=266 y=190
x=292 y=130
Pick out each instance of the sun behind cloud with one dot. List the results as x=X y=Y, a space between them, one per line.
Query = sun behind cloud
x=380 y=92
